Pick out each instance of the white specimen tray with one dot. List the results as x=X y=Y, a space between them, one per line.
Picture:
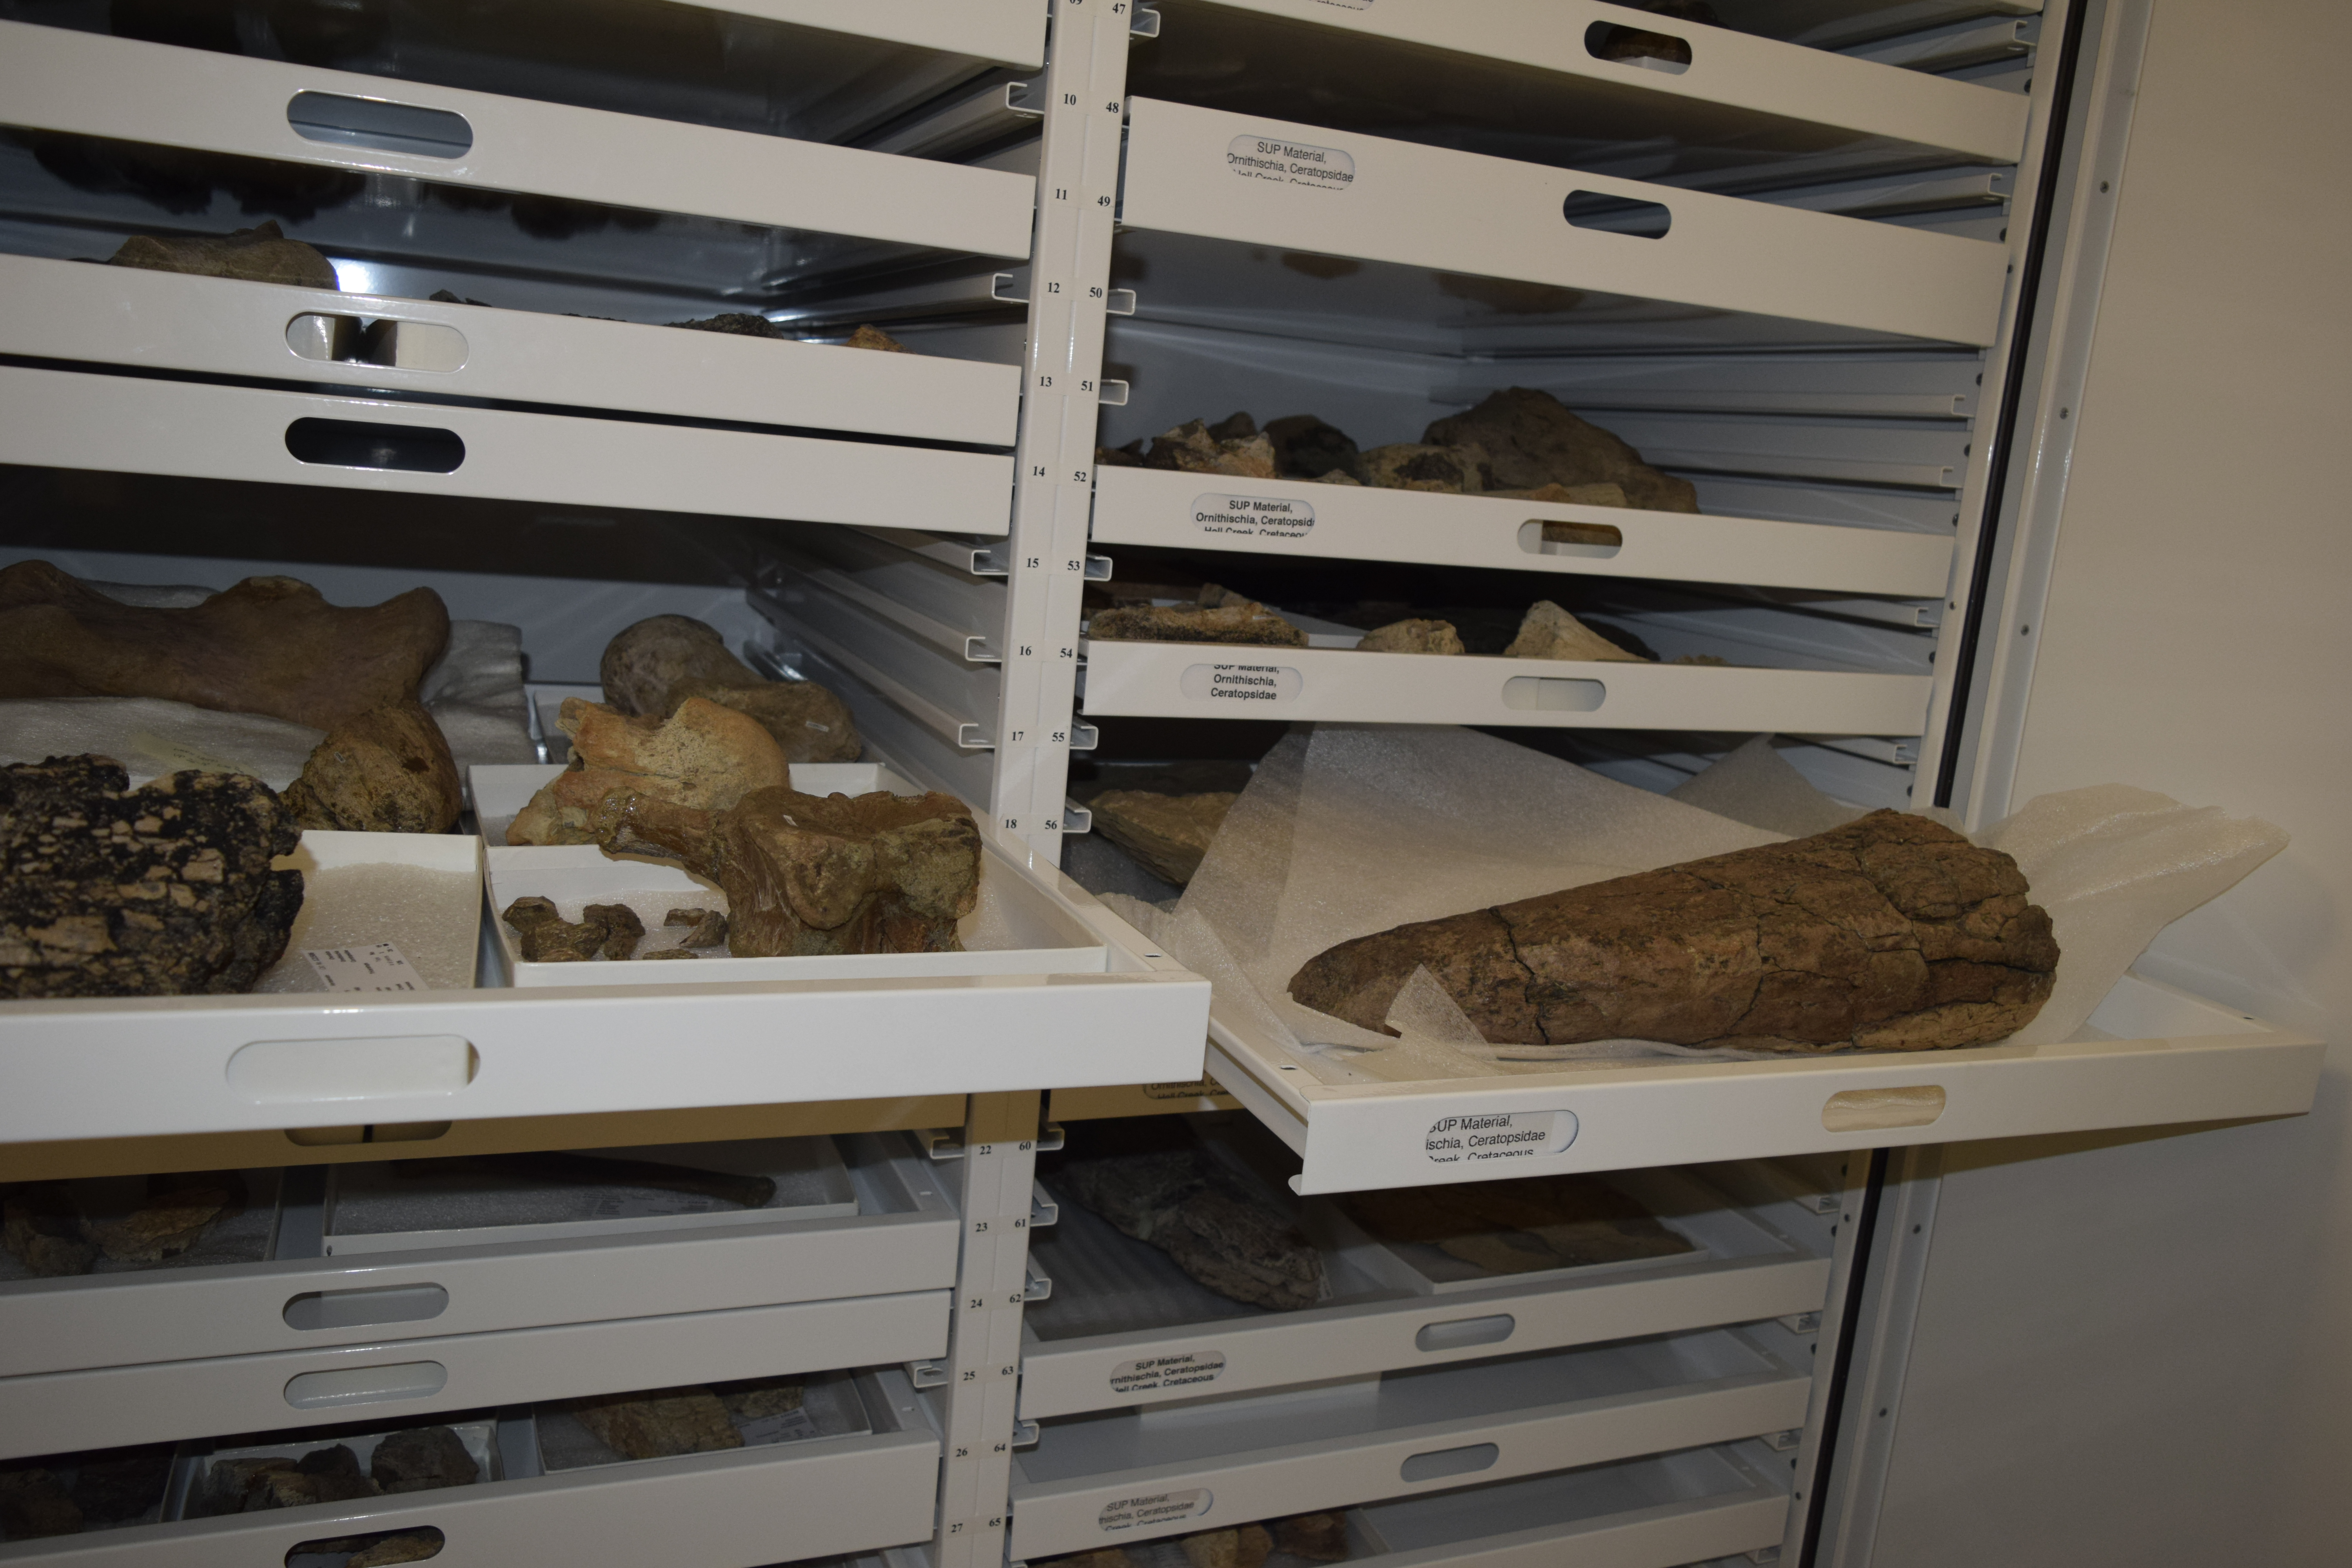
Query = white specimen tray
x=1750 y=92
x=1223 y=680
x=1276 y=185
x=231 y=327
x=2152 y=1055
x=1040 y=937
x=125 y=423
x=1361 y=522
x=92 y=85
x=369 y=1209
x=322 y=849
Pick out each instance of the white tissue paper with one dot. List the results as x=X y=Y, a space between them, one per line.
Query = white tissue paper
x=1345 y=830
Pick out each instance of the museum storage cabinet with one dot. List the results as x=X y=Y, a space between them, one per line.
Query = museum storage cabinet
x=1827 y=262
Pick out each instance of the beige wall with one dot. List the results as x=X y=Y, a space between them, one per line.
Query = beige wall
x=2139 y=1351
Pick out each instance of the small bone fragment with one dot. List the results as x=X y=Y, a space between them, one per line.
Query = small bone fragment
x=422 y=1459
x=1549 y=632
x=1413 y=636
x=387 y=770
x=1413 y=466
x=654 y=666
x=873 y=337
x=622 y=929
x=708 y=927
x=1246 y=622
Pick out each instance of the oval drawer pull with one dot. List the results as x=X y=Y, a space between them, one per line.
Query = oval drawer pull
x=393 y=344
x=1638 y=46
x=1873 y=1110
x=365 y=1308
x=1595 y=541
x=358 y=444
x=1447 y=1462
x=1617 y=215
x=1553 y=694
x=366 y=1384
x=397 y=1067
x=379 y=123
x=1463 y=1333
x=424 y=1538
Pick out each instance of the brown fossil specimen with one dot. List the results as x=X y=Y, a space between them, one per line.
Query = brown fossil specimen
x=1518 y=1226
x=1532 y=439
x=387 y=770
x=162 y=890
x=653 y=667
x=656 y=1425
x=807 y=875
x=1169 y=833
x=1184 y=1203
x=1550 y=632
x=702 y=756
x=261 y=254
x=1232 y=620
x=1889 y=933
x=1413 y=636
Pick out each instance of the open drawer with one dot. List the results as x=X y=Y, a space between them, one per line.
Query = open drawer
x=374 y=1254
x=1350 y=522
x=2152 y=1055
x=1124 y=1326
x=1659 y=1512
x=1276 y=185
x=102 y=1068
x=1535 y=72
x=1108 y=1479
x=1213 y=680
x=172 y=322
x=861 y=1475
x=92 y=85
x=134 y=425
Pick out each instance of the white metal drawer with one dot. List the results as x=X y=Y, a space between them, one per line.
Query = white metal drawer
x=1745 y=1270
x=1350 y=522
x=906 y=1242
x=92 y=85
x=1379 y=200
x=1103 y=1480
x=114 y=1406
x=131 y=425
x=2161 y=1056
x=1009 y=31
x=1757 y=93
x=732 y=1510
x=166 y=321
x=1210 y=680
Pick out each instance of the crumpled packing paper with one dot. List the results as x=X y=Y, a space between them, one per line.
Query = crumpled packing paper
x=474 y=692
x=1345 y=830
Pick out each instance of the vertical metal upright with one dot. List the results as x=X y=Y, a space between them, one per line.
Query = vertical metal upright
x=1077 y=197
x=999 y=1170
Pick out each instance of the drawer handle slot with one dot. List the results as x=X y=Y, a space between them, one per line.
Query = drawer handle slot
x=1593 y=541
x=1447 y=1462
x=1552 y=694
x=1617 y=215
x=424 y=1538
x=366 y=1384
x=1463 y=1333
x=314 y=1072
x=379 y=123
x=315 y=1309
x=390 y=343
x=1874 y=1109
x=353 y=444
x=1638 y=46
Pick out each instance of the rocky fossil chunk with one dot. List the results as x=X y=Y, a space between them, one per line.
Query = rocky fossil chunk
x=1550 y=632
x=159 y=891
x=177 y=1211
x=1413 y=636
x=1532 y=439
x=261 y=254
x=705 y=928
x=1305 y=447
x=269 y=645
x=1317 y=1536
x=1602 y=494
x=596 y=1170
x=387 y=770
x=422 y=1459
x=1226 y=619
x=1244 y=1546
x=703 y=756
x=1415 y=465
x=1519 y=1226
x=331 y=1474
x=1889 y=933
x=873 y=337
x=764 y=1399
x=544 y=936
x=622 y=929
x=653 y=667
x=656 y=1425
x=1232 y=447
x=807 y=875
x=736 y=323
x=1168 y=833
x=41 y=1226
x=33 y=1503
x=1184 y=1202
